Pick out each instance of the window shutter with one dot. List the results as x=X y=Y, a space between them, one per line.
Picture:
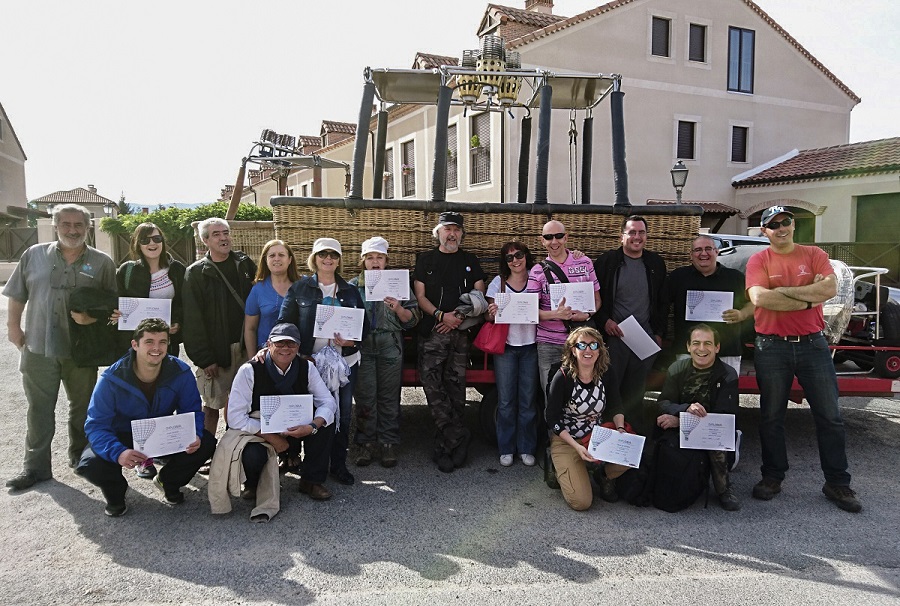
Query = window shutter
x=739 y=143
x=697 y=43
x=660 y=41
x=685 y=147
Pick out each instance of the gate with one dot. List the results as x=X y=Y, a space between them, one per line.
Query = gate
x=16 y=240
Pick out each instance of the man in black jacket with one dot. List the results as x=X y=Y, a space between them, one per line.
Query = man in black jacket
x=215 y=288
x=631 y=284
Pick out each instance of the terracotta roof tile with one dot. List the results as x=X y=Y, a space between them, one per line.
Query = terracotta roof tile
x=428 y=60
x=525 y=17
x=329 y=126
x=848 y=160
x=304 y=140
x=79 y=195
x=708 y=207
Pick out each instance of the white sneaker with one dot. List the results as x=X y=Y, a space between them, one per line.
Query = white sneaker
x=527 y=460
x=737 y=448
x=506 y=460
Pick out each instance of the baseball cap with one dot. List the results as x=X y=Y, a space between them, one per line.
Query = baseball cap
x=450 y=218
x=771 y=212
x=376 y=244
x=327 y=244
x=285 y=332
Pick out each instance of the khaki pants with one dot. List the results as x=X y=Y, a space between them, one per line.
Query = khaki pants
x=215 y=390
x=573 y=477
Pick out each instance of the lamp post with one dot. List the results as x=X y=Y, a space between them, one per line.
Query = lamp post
x=679 y=174
x=109 y=209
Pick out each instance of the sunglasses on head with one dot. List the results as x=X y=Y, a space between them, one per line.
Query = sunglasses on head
x=558 y=236
x=519 y=254
x=776 y=224
x=326 y=254
x=148 y=239
x=581 y=346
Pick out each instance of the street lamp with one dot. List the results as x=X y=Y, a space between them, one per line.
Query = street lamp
x=109 y=208
x=679 y=174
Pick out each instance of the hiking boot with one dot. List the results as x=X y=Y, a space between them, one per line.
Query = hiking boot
x=364 y=458
x=147 y=471
x=729 y=501
x=766 y=489
x=115 y=510
x=461 y=452
x=317 y=492
x=506 y=460
x=26 y=479
x=843 y=497
x=607 y=486
x=172 y=495
x=388 y=455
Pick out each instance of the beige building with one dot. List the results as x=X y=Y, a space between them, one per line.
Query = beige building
x=98 y=206
x=13 y=201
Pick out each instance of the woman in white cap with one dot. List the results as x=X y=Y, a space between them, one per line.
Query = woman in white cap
x=379 y=381
x=325 y=286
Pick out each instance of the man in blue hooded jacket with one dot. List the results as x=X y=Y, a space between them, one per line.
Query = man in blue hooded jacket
x=145 y=383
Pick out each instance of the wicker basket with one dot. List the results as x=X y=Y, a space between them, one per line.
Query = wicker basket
x=246 y=236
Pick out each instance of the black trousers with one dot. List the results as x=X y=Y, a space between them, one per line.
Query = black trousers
x=316 y=454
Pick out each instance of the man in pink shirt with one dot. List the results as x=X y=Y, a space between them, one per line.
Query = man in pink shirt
x=788 y=283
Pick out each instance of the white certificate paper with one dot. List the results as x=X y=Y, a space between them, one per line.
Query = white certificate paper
x=712 y=432
x=162 y=436
x=278 y=413
x=134 y=310
x=381 y=283
x=516 y=308
x=707 y=305
x=637 y=340
x=579 y=296
x=348 y=321
x=610 y=446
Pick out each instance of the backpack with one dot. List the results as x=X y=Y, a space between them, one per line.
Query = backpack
x=678 y=475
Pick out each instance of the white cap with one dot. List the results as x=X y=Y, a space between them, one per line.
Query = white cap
x=375 y=244
x=327 y=244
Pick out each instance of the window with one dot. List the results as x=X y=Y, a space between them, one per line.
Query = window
x=388 y=190
x=480 y=143
x=740 y=59
x=452 y=158
x=408 y=168
x=697 y=43
x=659 y=44
x=686 y=135
x=304 y=190
x=739 y=136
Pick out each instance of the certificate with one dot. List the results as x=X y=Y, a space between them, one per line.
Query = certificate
x=637 y=339
x=613 y=447
x=278 y=413
x=134 y=310
x=712 y=432
x=516 y=308
x=381 y=283
x=707 y=305
x=162 y=436
x=348 y=321
x=579 y=296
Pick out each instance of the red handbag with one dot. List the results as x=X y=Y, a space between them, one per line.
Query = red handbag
x=492 y=336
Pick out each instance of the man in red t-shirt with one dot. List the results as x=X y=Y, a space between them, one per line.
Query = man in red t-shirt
x=788 y=283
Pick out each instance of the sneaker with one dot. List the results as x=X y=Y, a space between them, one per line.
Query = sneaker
x=737 y=448
x=317 y=492
x=364 y=458
x=506 y=460
x=766 y=489
x=173 y=496
x=115 y=511
x=461 y=452
x=147 y=470
x=343 y=476
x=729 y=501
x=388 y=455
x=26 y=479
x=527 y=460
x=444 y=463
x=607 y=486
x=843 y=497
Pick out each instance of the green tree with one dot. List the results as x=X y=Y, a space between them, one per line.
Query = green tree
x=123 y=207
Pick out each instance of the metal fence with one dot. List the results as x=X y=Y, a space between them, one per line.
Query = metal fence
x=868 y=254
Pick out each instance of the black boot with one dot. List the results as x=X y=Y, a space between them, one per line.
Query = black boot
x=719 y=472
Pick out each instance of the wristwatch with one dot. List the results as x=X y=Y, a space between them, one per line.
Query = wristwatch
x=315 y=428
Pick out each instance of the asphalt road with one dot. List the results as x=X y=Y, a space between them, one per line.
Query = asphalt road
x=482 y=535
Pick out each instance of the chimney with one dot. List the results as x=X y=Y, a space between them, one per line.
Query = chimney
x=92 y=189
x=539 y=6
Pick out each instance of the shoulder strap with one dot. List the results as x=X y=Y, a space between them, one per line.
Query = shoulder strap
x=233 y=292
x=128 y=269
x=551 y=267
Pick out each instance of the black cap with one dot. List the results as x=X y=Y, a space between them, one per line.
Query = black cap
x=450 y=218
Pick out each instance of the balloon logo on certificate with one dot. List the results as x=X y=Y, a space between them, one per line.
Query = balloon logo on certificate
x=268 y=407
x=323 y=314
x=502 y=299
x=694 y=297
x=372 y=280
x=128 y=306
x=688 y=423
x=141 y=430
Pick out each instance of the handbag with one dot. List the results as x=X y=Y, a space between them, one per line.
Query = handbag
x=492 y=336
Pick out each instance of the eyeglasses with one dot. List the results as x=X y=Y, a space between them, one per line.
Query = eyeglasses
x=328 y=254
x=776 y=224
x=286 y=344
x=157 y=239
x=558 y=236
x=581 y=346
x=705 y=249
x=519 y=254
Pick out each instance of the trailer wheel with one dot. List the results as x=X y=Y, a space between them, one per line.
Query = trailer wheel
x=887 y=364
x=487 y=415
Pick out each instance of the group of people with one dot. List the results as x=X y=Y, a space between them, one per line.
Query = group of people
x=248 y=329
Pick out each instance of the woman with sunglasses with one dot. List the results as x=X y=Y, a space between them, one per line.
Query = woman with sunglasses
x=326 y=287
x=579 y=398
x=275 y=273
x=515 y=369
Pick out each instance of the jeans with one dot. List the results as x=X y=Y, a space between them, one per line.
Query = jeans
x=777 y=363
x=548 y=354
x=342 y=437
x=514 y=372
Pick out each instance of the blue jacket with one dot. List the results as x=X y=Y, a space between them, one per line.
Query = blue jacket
x=299 y=308
x=117 y=400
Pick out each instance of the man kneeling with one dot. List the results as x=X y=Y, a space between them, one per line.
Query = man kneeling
x=700 y=385
x=245 y=454
x=143 y=384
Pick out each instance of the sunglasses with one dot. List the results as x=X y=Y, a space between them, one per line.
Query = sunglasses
x=776 y=224
x=286 y=344
x=328 y=254
x=519 y=254
x=558 y=236
x=157 y=239
x=581 y=346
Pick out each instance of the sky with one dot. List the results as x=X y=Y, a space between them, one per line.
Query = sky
x=160 y=101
